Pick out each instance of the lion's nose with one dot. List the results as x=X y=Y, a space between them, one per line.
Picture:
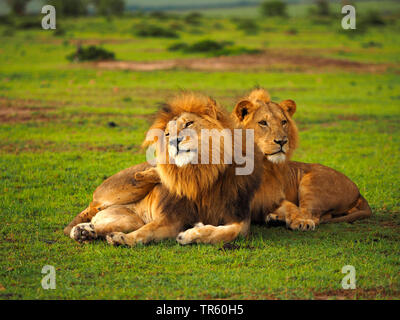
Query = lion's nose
x=175 y=142
x=281 y=142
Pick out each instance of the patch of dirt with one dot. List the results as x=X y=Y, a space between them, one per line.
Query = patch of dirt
x=269 y=60
x=358 y=293
x=18 y=110
x=349 y=117
x=42 y=146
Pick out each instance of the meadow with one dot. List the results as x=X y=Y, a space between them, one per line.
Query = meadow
x=66 y=126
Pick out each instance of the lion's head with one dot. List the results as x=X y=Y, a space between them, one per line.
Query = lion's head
x=274 y=130
x=185 y=159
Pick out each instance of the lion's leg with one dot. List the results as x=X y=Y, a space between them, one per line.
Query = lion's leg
x=361 y=210
x=150 y=175
x=115 y=218
x=156 y=230
x=85 y=216
x=296 y=218
x=213 y=234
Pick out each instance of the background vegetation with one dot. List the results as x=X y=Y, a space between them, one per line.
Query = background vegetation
x=67 y=125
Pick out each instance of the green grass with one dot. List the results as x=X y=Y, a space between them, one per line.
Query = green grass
x=56 y=146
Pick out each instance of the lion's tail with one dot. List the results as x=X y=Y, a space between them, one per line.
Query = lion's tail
x=360 y=211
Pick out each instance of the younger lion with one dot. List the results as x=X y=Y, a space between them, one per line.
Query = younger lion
x=209 y=198
x=300 y=194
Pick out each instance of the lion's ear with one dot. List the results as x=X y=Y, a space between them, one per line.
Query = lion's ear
x=242 y=109
x=289 y=106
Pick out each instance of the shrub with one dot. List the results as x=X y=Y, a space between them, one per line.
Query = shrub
x=247 y=25
x=150 y=30
x=373 y=18
x=7 y=21
x=212 y=47
x=193 y=18
x=91 y=53
x=207 y=46
x=29 y=23
x=273 y=8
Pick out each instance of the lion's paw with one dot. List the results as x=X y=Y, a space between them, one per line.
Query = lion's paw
x=302 y=224
x=116 y=238
x=190 y=235
x=83 y=232
x=271 y=217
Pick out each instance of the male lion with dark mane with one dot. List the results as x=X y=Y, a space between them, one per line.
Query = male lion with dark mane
x=210 y=199
x=300 y=194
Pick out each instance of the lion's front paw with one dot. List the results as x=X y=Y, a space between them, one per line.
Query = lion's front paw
x=302 y=224
x=188 y=236
x=83 y=232
x=117 y=238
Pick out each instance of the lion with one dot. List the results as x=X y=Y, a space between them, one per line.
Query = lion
x=179 y=198
x=300 y=194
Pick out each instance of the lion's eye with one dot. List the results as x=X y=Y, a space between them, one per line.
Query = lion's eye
x=284 y=122
x=188 y=124
x=167 y=134
x=263 y=123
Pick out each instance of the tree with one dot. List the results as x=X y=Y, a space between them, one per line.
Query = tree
x=273 y=8
x=18 y=6
x=109 y=7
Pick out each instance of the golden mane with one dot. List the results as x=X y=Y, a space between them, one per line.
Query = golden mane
x=191 y=181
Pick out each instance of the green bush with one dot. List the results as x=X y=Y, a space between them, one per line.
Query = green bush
x=249 y=26
x=7 y=21
x=193 y=18
x=214 y=48
x=207 y=46
x=26 y=23
x=373 y=18
x=273 y=8
x=91 y=53
x=151 y=30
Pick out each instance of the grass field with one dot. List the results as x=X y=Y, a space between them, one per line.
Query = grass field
x=57 y=144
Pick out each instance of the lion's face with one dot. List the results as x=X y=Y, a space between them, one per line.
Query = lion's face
x=185 y=124
x=271 y=131
x=274 y=130
x=183 y=137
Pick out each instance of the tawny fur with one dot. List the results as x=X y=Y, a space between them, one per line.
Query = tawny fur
x=208 y=193
x=301 y=194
